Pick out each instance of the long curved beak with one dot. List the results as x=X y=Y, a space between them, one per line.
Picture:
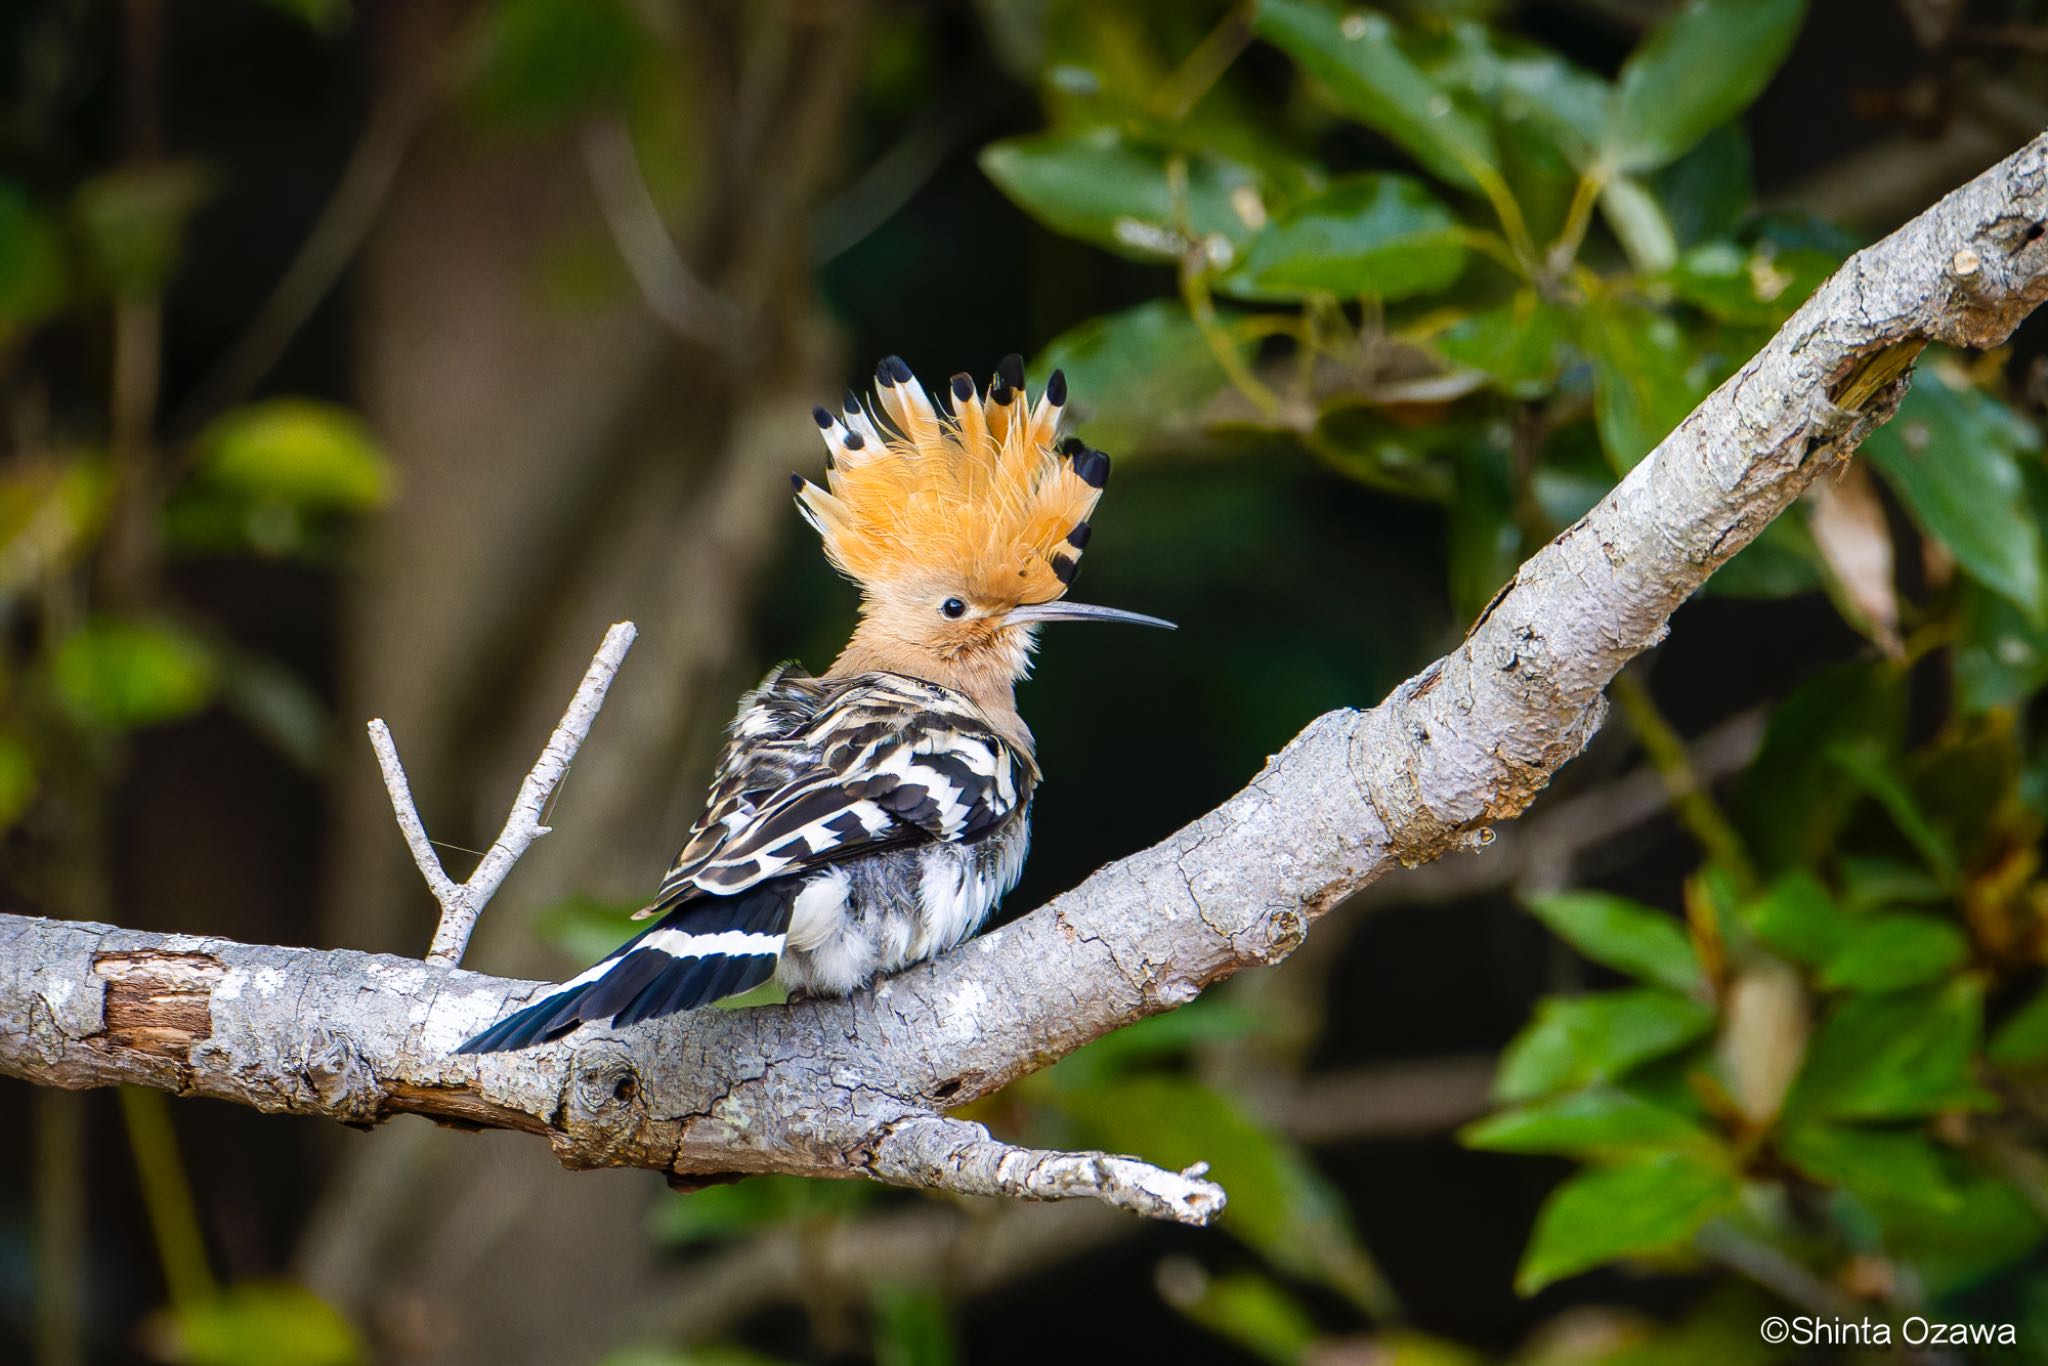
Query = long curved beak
x=1079 y=611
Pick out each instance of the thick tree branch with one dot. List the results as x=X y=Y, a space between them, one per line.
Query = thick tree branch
x=857 y=1087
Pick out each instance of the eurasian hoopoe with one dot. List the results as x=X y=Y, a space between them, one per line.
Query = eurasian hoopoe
x=874 y=816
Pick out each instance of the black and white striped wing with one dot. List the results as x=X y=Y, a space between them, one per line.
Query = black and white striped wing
x=698 y=953
x=888 y=760
x=765 y=750
x=839 y=770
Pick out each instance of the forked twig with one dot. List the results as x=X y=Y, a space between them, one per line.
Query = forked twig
x=462 y=902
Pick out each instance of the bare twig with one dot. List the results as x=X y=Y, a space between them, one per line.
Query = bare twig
x=337 y=235
x=881 y=190
x=445 y=889
x=1384 y=1100
x=674 y=294
x=974 y=1250
x=60 y=1192
x=1758 y=1261
x=952 y=1154
x=462 y=902
x=858 y=1087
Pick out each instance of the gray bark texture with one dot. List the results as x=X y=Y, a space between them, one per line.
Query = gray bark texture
x=858 y=1087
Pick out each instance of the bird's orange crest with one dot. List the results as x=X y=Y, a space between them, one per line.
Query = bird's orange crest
x=985 y=498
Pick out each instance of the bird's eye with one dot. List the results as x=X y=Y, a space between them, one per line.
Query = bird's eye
x=953 y=607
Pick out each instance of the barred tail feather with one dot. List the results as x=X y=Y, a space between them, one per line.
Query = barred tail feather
x=705 y=950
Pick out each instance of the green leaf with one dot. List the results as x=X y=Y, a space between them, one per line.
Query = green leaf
x=1870 y=767
x=1639 y=224
x=1577 y=1040
x=1798 y=918
x=1357 y=57
x=1643 y=378
x=1793 y=800
x=1650 y=1204
x=545 y=60
x=1532 y=92
x=1381 y=236
x=2002 y=658
x=1902 y=1055
x=133 y=222
x=1251 y=1310
x=1758 y=284
x=32 y=283
x=297 y=452
x=1871 y=882
x=1138 y=378
x=1136 y=200
x=51 y=512
x=1888 y=951
x=115 y=674
x=1520 y=345
x=1625 y=935
x=1877 y=951
x=1956 y=1249
x=264 y=1324
x=1698 y=70
x=1106 y=65
x=1708 y=192
x=1878 y=1163
x=2022 y=1041
x=1602 y=1122
x=1953 y=455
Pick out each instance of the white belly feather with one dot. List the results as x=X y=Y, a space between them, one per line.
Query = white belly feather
x=862 y=917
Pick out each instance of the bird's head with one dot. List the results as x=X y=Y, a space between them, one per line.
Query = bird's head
x=963 y=528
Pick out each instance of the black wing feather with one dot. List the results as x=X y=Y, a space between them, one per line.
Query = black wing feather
x=643 y=980
x=876 y=760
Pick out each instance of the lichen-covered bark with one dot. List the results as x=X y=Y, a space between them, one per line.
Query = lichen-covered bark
x=856 y=1087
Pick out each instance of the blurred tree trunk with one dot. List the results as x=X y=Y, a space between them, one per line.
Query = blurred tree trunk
x=560 y=472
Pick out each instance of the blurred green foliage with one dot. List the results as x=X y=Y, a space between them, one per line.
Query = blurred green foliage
x=96 y=514
x=263 y=1324
x=115 y=675
x=279 y=477
x=1541 y=264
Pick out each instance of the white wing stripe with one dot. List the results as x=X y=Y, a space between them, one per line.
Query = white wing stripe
x=973 y=753
x=736 y=943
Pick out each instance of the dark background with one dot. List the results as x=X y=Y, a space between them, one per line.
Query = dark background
x=562 y=459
